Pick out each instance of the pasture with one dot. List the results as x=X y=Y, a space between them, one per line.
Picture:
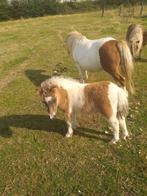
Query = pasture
x=35 y=157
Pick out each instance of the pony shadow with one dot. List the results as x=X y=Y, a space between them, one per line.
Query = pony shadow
x=36 y=76
x=32 y=122
x=93 y=134
x=43 y=123
x=142 y=60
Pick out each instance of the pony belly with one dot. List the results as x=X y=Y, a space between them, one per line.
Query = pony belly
x=89 y=63
x=91 y=67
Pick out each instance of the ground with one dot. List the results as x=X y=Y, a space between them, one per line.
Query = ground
x=35 y=157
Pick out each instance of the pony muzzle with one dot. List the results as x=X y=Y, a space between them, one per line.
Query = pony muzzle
x=51 y=116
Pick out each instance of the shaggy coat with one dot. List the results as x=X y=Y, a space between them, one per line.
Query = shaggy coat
x=72 y=96
x=106 y=53
x=134 y=38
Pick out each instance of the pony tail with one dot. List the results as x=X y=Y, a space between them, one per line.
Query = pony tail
x=123 y=105
x=126 y=65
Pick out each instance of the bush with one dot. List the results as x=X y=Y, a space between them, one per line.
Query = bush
x=4 y=10
x=33 y=8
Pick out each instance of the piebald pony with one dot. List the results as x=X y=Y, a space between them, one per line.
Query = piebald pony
x=106 y=53
x=72 y=96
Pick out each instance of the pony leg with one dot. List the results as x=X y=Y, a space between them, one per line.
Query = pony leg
x=86 y=75
x=81 y=73
x=115 y=125
x=74 y=122
x=123 y=126
x=69 y=124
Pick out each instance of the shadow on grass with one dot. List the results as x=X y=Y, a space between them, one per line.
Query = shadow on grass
x=32 y=122
x=92 y=134
x=36 y=76
x=142 y=60
x=43 y=123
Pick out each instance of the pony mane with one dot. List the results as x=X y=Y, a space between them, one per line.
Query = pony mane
x=60 y=81
x=72 y=37
x=134 y=30
x=75 y=34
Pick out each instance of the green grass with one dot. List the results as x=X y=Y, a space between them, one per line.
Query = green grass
x=35 y=157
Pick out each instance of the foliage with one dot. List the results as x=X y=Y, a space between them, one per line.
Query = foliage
x=16 y=9
x=4 y=10
x=33 y=8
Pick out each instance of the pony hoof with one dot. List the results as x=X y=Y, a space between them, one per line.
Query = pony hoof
x=74 y=126
x=113 y=141
x=68 y=135
x=125 y=137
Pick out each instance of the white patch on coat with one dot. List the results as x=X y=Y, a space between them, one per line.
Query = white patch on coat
x=47 y=99
x=119 y=103
x=118 y=98
x=86 y=52
x=52 y=115
x=113 y=97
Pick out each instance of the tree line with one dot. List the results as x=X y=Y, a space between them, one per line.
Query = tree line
x=15 y=9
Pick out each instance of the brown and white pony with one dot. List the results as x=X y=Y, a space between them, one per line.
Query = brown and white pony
x=134 y=38
x=107 y=53
x=72 y=96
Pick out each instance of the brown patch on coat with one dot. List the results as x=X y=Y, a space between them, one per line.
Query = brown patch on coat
x=96 y=99
x=63 y=101
x=110 y=60
x=62 y=96
x=109 y=56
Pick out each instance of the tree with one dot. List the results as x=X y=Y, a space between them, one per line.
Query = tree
x=4 y=10
x=141 y=8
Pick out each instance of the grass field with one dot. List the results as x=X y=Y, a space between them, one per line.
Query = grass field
x=35 y=157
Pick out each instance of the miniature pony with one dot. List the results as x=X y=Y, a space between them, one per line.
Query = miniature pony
x=134 y=38
x=72 y=96
x=107 y=53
